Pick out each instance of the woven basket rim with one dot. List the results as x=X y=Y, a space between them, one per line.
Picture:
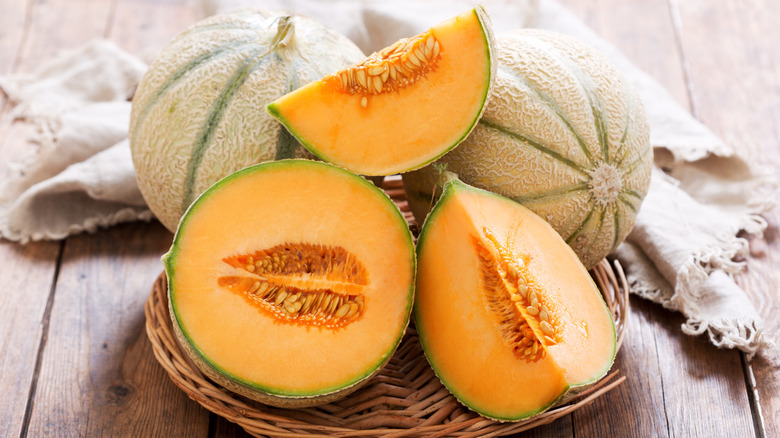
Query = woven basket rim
x=354 y=415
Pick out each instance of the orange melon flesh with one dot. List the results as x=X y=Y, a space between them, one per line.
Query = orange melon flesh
x=289 y=202
x=402 y=127
x=459 y=332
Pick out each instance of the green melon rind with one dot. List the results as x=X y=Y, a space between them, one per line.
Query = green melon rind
x=489 y=40
x=450 y=187
x=268 y=394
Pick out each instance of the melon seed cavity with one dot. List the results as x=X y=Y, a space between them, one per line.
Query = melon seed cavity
x=301 y=283
x=521 y=310
x=395 y=67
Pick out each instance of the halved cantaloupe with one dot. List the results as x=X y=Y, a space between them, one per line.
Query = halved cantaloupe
x=291 y=282
x=401 y=107
x=508 y=317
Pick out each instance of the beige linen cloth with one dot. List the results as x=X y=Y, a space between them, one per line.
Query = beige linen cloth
x=681 y=254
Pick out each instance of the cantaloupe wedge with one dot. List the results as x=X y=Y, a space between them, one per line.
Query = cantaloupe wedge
x=508 y=317
x=401 y=107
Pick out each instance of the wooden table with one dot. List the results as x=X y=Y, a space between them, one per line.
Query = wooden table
x=74 y=357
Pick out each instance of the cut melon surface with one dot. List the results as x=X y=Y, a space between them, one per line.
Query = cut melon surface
x=291 y=282
x=401 y=107
x=508 y=317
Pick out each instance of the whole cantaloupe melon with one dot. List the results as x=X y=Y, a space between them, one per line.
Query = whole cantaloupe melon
x=199 y=112
x=564 y=134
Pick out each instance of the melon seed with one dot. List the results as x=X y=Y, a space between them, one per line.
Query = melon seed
x=377 y=70
x=353 y=310
x=361 y=78
x=290 y=299
x=342 y=311
x=546 y=328
x=515 y=304
x=413 y=58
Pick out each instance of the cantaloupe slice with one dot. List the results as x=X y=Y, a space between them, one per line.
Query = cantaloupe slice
x=291 y=282
x=508 y=317
x=401 y=107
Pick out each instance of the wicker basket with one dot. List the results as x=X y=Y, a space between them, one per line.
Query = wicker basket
x=404 y=399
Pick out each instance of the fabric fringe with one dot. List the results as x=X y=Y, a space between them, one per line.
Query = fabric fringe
x=747 y=336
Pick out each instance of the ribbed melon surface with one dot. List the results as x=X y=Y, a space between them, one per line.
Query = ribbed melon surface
x=565 y=134
x=198 y=113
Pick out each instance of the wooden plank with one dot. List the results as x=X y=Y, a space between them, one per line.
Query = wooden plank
x=113 y=385
x=25 y=285
x=61 y=24
x=145 y=27
x=13 y=28
x=644 y=32
x=28 y=273
x=738 y=40
x=673 y=369
x=636 y=407
x=98 y=375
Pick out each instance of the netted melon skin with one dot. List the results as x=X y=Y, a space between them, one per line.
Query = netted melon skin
x=565 y=134
x=199 y=112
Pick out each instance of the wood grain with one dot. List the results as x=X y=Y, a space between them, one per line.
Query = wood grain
x=15 y=26
x=98 y=375
x=687 y=367
x=26 y=281
x=144 y=27
x=635 y=408
x=741 y=103
x=61 y=24
x=28 y=272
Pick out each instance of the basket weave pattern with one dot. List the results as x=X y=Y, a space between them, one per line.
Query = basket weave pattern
x=404 y=399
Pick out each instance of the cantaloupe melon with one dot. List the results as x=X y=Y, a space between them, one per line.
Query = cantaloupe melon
x=401 y=107
x=291 y=282
x=507 y=315
x=198 y=113
x=565 y=134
